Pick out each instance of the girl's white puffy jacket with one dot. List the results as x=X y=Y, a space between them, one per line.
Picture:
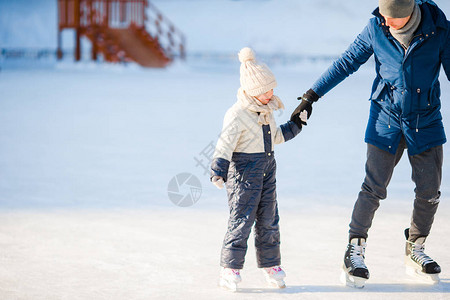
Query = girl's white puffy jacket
x=241 y=133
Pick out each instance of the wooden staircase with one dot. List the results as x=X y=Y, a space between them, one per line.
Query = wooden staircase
x=121 y=31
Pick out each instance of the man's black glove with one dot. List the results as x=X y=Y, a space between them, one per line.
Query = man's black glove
x=308 y=99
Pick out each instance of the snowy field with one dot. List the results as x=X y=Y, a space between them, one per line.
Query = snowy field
x=88 y=151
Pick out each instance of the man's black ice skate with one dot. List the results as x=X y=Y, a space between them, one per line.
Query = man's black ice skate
x=418 y=264
x=355 y=272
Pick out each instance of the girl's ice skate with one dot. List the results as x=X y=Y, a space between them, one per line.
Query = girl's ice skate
x=418 y=264
x=229 y=278
x=354 y=270
x=275 y=276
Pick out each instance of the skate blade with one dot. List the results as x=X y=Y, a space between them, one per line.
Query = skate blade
x=229 y=286
x=417 y=273
x=352 y=281
x=275 y=282
x=280 y=284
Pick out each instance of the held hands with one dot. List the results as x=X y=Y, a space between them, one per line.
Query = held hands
x=305 y=107
x=303 y=116
x=217 y=181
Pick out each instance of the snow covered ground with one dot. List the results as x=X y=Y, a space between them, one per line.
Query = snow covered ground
x=87 y=152
x=86 y=156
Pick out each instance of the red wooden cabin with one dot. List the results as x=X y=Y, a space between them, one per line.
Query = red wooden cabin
x=121 y=30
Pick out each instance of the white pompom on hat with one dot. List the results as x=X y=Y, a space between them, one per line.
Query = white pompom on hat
x=256 y=79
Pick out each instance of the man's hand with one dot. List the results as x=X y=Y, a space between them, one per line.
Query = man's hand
x=310 y=96
x=298 y=116
x=304 y=107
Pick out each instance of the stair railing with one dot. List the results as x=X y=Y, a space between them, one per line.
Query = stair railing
x=83 y=14
x=171 y=39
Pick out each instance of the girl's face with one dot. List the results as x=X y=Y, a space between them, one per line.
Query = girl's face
x=265 y=98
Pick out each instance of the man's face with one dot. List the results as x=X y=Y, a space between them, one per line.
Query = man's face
x=396 y=23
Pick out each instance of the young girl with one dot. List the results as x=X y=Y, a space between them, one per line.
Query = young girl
x=244 y=159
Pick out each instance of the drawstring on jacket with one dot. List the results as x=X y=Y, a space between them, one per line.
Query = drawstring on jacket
x=418 y=104
x=391 y=94
x=417 y=123
x=390 y=112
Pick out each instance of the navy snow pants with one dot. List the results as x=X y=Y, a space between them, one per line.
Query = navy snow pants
x=251 y=188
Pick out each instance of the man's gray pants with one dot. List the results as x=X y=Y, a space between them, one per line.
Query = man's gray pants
x=426 y=174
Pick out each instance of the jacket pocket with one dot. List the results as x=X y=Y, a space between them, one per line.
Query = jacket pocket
x=241 y=169
x=244 y=175
x=434 y=96
x=427 y=99
x=380 y=92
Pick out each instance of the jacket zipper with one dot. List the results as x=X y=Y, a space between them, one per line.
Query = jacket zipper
x=411 y=46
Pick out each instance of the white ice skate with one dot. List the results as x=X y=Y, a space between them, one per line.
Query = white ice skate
x=354 y=271
x=420 y=265
x=229 y=278
x=275 y=276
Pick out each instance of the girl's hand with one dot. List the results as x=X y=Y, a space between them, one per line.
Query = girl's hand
x=304 y=116
x=217 y=181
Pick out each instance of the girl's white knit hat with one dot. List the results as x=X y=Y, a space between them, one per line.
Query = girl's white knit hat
x=256 y=79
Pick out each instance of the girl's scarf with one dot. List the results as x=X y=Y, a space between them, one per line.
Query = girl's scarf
x=254 y=105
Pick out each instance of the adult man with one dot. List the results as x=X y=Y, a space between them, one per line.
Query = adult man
x=410 y=41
